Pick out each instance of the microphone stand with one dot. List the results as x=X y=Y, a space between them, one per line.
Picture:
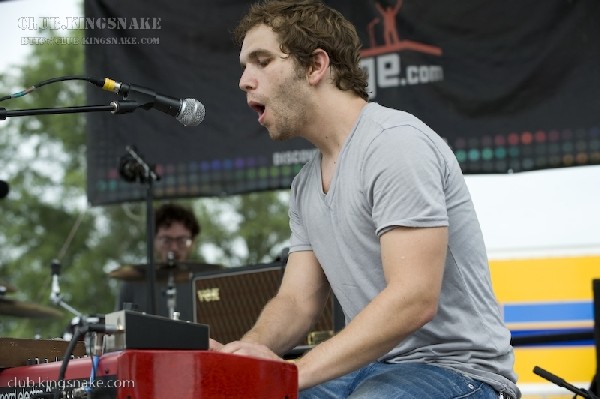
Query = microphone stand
x=562 y=383
x=115 y=107
x=149 y=177
x=171 y=292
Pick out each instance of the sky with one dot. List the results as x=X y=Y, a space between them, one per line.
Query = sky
x=545 y=213
x=14 y=24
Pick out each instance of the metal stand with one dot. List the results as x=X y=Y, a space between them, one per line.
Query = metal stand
x=171 y=292
x=148 y=176
x=562 y=383
x=133 y=167
x=80 y=320
x=115 y=107
x=55 y=295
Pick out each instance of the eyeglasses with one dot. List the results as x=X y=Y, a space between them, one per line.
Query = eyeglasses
x=181 y=241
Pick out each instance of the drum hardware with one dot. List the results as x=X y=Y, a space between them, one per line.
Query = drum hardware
x=79 y=322
x=55 y=295
x=6 y=289
x=171 y=291
x=12 y=307
x=182 y=272
x=81 y=325
x=172 y=272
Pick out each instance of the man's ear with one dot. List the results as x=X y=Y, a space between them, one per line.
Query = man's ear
x=319 y=66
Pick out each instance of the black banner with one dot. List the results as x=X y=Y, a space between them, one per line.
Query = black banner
x=512 y=86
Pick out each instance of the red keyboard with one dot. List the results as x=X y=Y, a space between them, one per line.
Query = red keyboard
x=153 y=374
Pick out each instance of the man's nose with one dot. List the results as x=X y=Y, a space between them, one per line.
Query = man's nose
x=247 y=83
x=172 y=245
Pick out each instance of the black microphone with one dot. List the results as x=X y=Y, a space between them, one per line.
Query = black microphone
x=189 y=112
x=130 y=169
x=4 y=189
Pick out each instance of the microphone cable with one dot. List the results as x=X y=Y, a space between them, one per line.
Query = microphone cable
x=57 y=391
x=49 y=81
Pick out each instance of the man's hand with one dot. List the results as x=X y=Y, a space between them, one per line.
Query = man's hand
x=214 y=345
x=246 y=349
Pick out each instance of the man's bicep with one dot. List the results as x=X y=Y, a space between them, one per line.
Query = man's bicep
x=415 y=257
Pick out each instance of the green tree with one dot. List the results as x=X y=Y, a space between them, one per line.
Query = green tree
x=46 y=215
x=244 y=230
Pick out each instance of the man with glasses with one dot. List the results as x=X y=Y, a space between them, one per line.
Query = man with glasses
x=175 y=232
x=176 y=229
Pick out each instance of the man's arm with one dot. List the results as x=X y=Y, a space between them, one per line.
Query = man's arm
x=288 y=317
x=413 y=261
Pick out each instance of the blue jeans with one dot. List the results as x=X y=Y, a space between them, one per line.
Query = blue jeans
x=401 y=381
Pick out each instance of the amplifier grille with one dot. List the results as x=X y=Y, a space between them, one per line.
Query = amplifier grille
x=231 y=302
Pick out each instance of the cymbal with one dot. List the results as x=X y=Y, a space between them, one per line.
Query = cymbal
x=182 y=271
x=12 y=307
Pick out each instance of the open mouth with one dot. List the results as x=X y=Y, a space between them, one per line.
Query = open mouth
x=259 y=108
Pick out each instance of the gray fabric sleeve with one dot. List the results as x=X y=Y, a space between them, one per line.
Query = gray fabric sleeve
x=299 y=237
x=404 y=175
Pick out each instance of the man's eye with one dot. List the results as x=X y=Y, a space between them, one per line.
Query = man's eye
x=263 y=62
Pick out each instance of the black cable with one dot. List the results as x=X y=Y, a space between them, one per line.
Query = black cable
x=79 y=332
x=36 y=86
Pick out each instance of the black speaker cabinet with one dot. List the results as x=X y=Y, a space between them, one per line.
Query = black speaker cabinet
x=230 y=302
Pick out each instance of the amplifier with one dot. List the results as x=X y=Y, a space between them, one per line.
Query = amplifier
x=231 y=301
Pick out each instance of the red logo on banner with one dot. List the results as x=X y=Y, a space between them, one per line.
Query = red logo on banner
x=391 y=39
x=382 y=60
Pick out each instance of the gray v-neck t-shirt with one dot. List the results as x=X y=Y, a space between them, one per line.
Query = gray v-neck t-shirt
x=394 y=170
